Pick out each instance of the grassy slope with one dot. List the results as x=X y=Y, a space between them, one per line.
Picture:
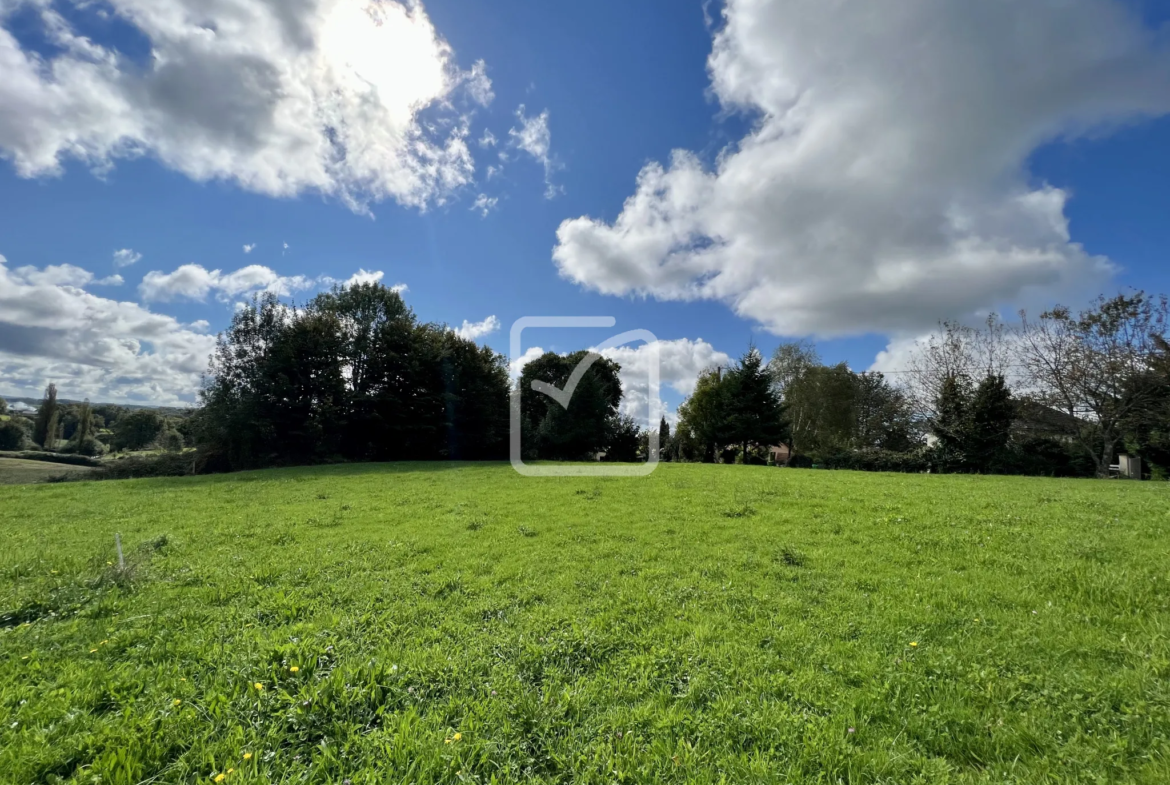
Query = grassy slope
x=710 y=623
x=14 y=471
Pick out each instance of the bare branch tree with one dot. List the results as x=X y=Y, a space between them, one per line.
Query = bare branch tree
x=1094 y=367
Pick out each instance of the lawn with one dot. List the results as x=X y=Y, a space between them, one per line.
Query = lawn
x=14 y=471
x=436 y=623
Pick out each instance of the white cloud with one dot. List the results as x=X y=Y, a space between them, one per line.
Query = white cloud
x=485 y=204
x=365 y=276
x=110 y=280
x=680 y=363
x=473 y=331
x=533 y=137
x=195 y=282
x=278 y=97
x=53 y=275
x=478 y=85
x=200 y=325
x=884 y=183
x=126 y=257
x=92 y=346
x=488 y=139
x=516 y=364
x=249 y=247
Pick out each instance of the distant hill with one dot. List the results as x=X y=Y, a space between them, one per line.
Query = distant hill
x=168 y=411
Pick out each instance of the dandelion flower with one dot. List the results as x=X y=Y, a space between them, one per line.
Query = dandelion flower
x=220 y=777
x=446 y=741
x=458 y=736
x=229 y=771
x=293 y=669
x=247 y=756
x=91 y=651
x=178 y=701
x=914 y=644
x=182 y=679
x=258 y=686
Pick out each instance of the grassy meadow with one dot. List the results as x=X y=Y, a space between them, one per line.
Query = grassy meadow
x=461 y=624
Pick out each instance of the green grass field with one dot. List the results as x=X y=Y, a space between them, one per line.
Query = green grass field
x=431 y=623
x=14 y=471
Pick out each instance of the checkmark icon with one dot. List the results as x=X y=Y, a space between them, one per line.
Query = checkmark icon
x=562 y=396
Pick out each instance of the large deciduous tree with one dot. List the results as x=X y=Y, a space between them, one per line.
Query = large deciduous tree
x=581 y=430
x=1096 y=367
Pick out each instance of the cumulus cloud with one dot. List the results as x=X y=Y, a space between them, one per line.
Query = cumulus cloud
x=680 y=363
x=126 y=256
x=278 y=97
x=195 y=282
x=51 y=330
x=473 y=331
x=249 y=247
x=110 y=280
x=485 y=204
x=516 y=364
x=884 y=183
x=534 y=137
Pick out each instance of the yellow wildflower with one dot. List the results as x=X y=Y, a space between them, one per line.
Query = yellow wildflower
x=91 y=651
x=247 y=756
x=293 y=669
x=914 y=644
x=229 y=771
x=178 y=701
x=458 y=736
x=220 y=777
x=258 y=686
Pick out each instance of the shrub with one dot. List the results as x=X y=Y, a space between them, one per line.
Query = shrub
x=919 y=460
x=171 y=441
x=53 y=457
x=13 y=436
x=89 y=446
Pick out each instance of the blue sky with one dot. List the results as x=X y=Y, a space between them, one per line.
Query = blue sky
x=832 y=184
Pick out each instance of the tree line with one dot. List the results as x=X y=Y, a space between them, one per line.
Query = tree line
x=354 y=375
x=1063 y=394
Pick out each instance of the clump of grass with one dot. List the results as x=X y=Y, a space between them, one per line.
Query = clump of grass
x=475 y=525
x=790 y=557
x=525 y=531
x=739 y=511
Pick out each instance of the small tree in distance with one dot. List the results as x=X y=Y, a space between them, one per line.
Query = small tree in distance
x=48 y=420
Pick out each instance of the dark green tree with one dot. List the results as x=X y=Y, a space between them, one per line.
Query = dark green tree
x=665 y=448
x=951 y=424
x=702 y=424
x=992 y=412
x=13 y=435
x=754 y=413
x=3 y=406
x=579 y=431
x=137 y=430
x=624 y=441
x=884 y=415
